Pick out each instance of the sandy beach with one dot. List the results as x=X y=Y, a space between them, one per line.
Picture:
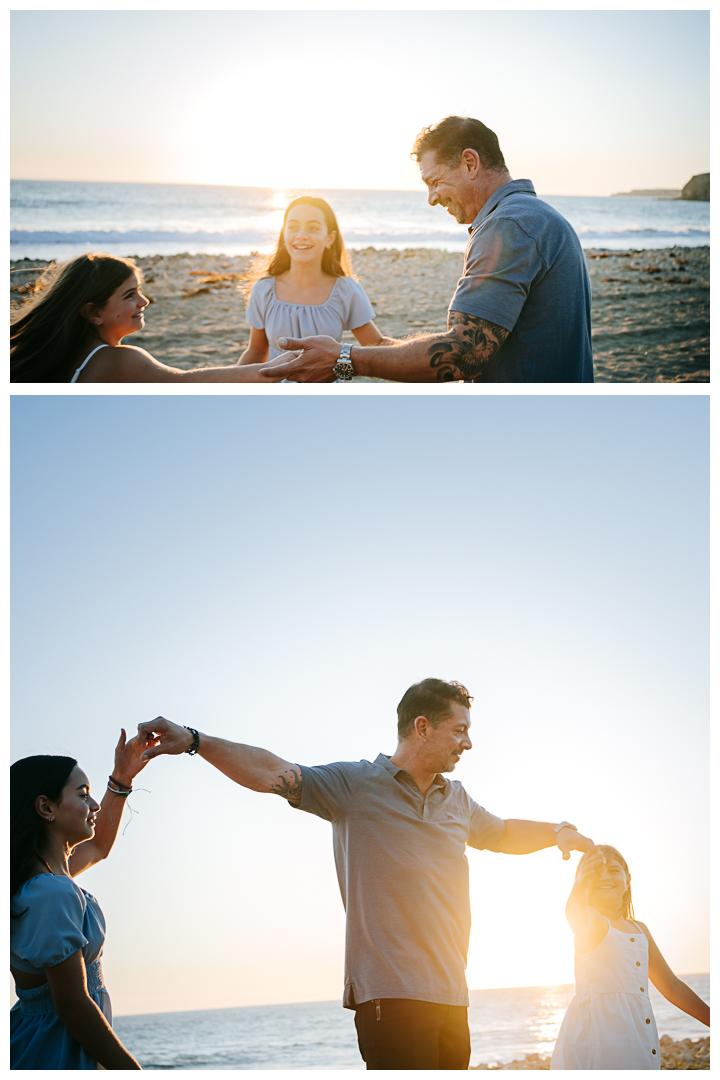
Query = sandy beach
x=650 y=308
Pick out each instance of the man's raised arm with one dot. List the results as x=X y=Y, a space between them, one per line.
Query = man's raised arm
x=463 y=352
x=250 y=766
x=523 y=837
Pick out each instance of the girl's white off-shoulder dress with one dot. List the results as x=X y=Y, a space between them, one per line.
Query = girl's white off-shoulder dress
x=609 y=1023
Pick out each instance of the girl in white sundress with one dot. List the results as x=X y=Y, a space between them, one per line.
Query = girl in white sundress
x=609 y=1023
x=307 y=290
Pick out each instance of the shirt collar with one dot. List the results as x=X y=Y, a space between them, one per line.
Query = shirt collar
x=384 y=760
x=511 y=188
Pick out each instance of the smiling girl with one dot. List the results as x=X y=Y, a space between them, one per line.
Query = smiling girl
x=308 y=289
x=74 y=331
x=609 y=1023
x=62 y=1019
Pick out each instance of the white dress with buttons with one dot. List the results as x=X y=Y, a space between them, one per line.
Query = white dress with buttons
x=609 y=1023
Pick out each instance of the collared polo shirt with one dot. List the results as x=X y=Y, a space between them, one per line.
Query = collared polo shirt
x=403 y=875
x=525 y=270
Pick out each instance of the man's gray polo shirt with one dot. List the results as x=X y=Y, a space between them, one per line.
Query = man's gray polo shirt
x=525 y=270
x=403 y=875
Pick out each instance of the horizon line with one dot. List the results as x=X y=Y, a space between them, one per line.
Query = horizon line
x=292 y=187
x=338 y=1001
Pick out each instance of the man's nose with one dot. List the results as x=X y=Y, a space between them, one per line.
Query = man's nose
x=433 y=198
x=467 y=745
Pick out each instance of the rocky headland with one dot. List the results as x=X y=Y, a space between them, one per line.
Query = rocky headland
x=697 y=188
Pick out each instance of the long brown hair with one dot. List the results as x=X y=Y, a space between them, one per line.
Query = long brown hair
x=335 y=261
x=47 y=333
x=607 y=850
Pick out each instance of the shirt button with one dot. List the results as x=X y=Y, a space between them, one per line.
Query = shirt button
x=642 y=989
x=647 y=1021
x=637 y=963
x=632 y=938
x=654 y=1051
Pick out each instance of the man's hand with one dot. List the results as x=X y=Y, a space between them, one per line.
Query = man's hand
x=160 y=736
x=314 y=363
x=571 y=840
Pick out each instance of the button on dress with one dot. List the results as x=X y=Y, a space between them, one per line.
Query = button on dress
x=59 y=919
x=609 y=1023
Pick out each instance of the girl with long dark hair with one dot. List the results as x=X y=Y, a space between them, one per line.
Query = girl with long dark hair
x=307 y=289
x=73 y=331
x=62 y=1019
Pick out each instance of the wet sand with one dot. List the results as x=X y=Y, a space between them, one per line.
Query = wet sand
x=650 y=319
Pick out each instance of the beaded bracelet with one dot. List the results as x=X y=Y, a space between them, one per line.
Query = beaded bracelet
x=195 y=744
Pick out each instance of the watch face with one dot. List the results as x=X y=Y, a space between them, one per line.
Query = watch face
x=343 y=370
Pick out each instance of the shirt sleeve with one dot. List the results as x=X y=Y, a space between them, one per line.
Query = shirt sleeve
x=501 y=265
x=51 y=929
x=257 y=306
x=327 y=789
x=359 y=309
x=485 y=828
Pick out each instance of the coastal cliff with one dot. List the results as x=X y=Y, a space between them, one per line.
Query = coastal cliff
x=698 y=188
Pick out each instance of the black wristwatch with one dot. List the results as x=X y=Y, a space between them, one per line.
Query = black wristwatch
x=344 y=369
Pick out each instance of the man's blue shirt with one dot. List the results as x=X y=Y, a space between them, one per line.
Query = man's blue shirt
x=525 y=270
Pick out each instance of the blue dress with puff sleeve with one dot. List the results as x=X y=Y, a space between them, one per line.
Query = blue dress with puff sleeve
x=59 y=919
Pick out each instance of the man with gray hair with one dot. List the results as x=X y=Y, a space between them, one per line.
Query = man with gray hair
x=400 y=830
x=521 y=310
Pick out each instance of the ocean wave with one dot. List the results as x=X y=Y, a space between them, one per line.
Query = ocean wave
x=256 y=237
x=204 y=236
x=588 y=233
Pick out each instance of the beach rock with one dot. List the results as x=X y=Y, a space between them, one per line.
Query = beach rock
x=697 y=188
x=685 y=1053
x=681 y=1054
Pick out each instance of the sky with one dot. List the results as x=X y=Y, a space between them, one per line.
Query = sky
x=583 y=102
x=278 y=571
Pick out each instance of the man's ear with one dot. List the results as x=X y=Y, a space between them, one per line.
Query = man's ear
x=90 y=313
x=471 y=161
x=421 y=724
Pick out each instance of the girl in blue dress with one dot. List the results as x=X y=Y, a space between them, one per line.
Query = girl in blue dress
x=308 y=290
x=62 y=1019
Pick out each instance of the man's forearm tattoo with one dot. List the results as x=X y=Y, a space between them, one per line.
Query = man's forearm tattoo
x=288 y=789
x=467 y=348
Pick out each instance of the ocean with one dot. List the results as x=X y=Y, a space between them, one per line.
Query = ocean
x=54 y=219
x=504 y=1024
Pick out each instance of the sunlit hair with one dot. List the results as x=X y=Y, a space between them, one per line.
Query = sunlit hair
x=47 y=333
x=43 y=774
x=430 y=698
x=335 y=261
x=607 y=851
x=451 y=136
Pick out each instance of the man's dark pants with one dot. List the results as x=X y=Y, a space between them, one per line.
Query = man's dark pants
x=394 y=1033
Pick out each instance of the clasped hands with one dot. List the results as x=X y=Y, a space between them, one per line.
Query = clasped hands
x=305 y=360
